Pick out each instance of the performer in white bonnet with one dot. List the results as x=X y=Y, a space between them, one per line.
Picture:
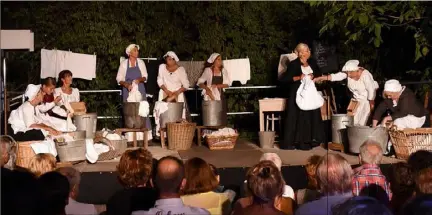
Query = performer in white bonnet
x=362 y=86
x=406 y=110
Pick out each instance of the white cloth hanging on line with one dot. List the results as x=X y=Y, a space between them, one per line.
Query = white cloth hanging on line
x=238 y=69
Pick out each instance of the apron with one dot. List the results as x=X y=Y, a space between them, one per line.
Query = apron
x=133 y=73
x=219 y=80
x=359 y=105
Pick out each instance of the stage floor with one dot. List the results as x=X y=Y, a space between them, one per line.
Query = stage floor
x=245 y=154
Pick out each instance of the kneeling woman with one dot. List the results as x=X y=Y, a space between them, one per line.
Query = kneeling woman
x=25 y=124
x=406 y=110
x=213 y=80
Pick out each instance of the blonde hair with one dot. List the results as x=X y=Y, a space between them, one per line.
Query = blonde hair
x=42 y=163
x=299 y=48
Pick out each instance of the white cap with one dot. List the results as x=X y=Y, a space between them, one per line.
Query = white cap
x=350 y=66
x=213 y=57
x=31 y=91
x=273 y=157
x=172 y=55
x=130 y=47
x=392 y=85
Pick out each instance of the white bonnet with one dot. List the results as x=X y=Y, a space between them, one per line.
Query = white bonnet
x=172 y=55
x=351 y=65
x=392 y=85
x=31 y=91
x=130 y=47
x=213 y=57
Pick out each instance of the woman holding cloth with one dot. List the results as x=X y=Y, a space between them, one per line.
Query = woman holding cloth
x=302 y=129
x=214 y=80
x=133 y=72
x=362 y=86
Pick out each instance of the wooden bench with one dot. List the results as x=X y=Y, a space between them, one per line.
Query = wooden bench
x=135 y=130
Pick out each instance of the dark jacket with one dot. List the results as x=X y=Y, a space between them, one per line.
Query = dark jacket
x=407 y=105
x=294 y=69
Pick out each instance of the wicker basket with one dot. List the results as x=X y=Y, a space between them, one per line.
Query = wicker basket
x=408 y=141
x=221 y=142
x=180 y=135
x=24 y=153
x=109 y=155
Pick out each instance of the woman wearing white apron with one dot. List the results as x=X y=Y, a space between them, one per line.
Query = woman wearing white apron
x=26 y=126
x=214 y=80
x=173 y=82
x=362 y=86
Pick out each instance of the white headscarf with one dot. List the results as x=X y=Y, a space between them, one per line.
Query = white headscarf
x=392 y=85
x=172 y=55
x=351 y=65
x=213 y=57
x=31 y=91
x=130 y=47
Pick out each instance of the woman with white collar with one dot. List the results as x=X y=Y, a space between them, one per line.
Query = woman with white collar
x=406 y=110
x=67 y=93
x=362 y=86
x=172 y=80
x=214 y=80
x=25 y=124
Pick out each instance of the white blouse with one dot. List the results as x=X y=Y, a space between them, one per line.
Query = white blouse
x=207 y=76
x=362 y=89
x=306 y=70
x=121 y=74
x=23 y=117
x=172 y=81
x=73 y=97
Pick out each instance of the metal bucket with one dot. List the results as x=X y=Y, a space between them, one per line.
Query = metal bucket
x=266 y=139
x=357 y=135
x=77 y=135
x=339 y=123
x=131 y=117
x=71 y=151
x=86 y=122
x=173 y=114
x=213 y=113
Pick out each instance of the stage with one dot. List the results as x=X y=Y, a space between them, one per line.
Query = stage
x=99 y=181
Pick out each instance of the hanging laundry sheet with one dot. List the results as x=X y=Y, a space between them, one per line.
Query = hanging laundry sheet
x=283 y=62
x=194 y=70
x=238 y=69
x=54 y=61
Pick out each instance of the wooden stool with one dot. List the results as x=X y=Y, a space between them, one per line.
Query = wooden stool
x=135 y=130
x=205 y=127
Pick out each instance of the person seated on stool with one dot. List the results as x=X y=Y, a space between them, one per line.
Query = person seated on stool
x=25 y=124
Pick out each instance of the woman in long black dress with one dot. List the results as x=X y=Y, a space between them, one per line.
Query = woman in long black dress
x=302 y=129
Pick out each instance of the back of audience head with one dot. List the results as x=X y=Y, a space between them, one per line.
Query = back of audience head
x=6 y=146
x=265 y=182
x=401 y=178
x=361 y=205
x=423 y=181
x=311 y=167
x=55 y=192
x=420 y=160
x=199 y=177
x=42 y=163
x=273 y=157
x=135 y=167
x=370 y=152
x=215 y=172
x=334 y=175
x=74 y=178
x=170 y=176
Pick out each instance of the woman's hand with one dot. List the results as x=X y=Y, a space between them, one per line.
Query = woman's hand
x=210 y=94
x=168 y=93
x=374 y=123
x=137 y=81
x=57 y=100
x=371 y=104
x=54 y=132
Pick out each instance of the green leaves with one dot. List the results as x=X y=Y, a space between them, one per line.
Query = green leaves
x=363 y=18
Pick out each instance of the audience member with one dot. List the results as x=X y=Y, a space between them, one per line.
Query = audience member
x=361 y=205
x=74 y=207
x=221 y=189
x=169 y=180
x=135 y=170
x=402 y=185
x=42 y=163
x=311 y=192
x=370 y=173
x=7 y=146
x=420 y=160
x=334 y=176
x=273 y=157
x=423 y=181
x=54 y=189
x=266 y=185
x=199 y=189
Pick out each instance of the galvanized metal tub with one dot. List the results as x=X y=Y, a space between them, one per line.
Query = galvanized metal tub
x=86 y=122
x=357 y=135
x=173 y=114
x=131 y=117
x=339 y=123
x=72 y=150
x=213 y=113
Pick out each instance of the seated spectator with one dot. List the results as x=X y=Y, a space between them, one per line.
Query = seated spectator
x=134 y=169
x=54 y=193
x=221 y=189
x=423 y=182
x=200 y=186
x=334 y=176
x=361 y=205
x=370 y=173
x=273 y=157
x=42 y=163
x=402 y=185
x=169 y=180
x=74 y=207
x=420 y=160
x=8 y=158
x=311 y=192
x=266 y=185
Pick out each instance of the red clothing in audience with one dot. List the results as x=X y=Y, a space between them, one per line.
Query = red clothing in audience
x=369 y=174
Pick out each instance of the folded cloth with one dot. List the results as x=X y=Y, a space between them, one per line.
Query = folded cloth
x=113 y=137
x=144 y=109
x=91 y=154
x=134 y=94
x=159 y=109
x=101 y=148
x=307 y=97
x=46 y=146
x=223 y=132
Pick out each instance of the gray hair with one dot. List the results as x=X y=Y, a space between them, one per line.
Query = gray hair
x=73 y=175
x=334 y=174
x=273 y=157
x=10 y=149
x=371 y=152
